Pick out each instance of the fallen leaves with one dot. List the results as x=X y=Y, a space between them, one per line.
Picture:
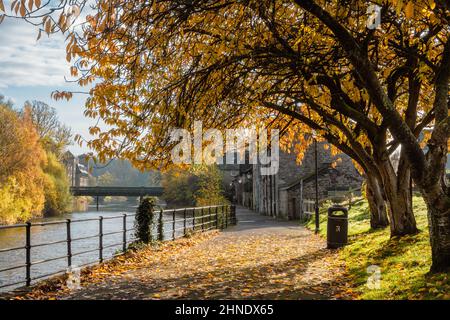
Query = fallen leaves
x=280 y=263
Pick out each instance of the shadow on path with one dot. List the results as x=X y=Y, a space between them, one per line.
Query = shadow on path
x=259 y=258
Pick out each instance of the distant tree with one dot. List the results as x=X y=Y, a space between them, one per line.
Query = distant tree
x=21 y=160
x=53 y=134
x=106 y=179
x=121 y=172
x=193 y=186
x=6 y=103
x=56 y=187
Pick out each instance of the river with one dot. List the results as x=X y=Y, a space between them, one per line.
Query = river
x=10 y=238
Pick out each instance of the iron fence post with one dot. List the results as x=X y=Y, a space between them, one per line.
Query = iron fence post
x=160 y=226
x=193 y=219
x=124 y=247
x=217 y=218
x=233 y=215
x=222 y=225
x=28 y=253
x=69 y=243
x=184 y=221
x=100 y=239
x=203 y=220
x=209 y=218
x=173 y=225
x=226 y=217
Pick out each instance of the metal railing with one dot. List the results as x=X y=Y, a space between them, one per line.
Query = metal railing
x=195 y=219
x=308 y=208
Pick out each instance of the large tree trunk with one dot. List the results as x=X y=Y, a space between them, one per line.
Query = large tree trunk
x=399 y=198
x=438 y=204
x=436 y=194
x=375 y=197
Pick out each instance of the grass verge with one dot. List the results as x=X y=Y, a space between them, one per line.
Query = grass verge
x=403 y=262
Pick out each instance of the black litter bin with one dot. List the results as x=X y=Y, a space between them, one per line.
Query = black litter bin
x=337 y=227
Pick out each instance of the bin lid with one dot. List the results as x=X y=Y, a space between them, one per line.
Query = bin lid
x=332 y=211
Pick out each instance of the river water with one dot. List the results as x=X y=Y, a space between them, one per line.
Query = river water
x=11 y=238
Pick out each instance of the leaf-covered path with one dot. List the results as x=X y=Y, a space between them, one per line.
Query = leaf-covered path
x=260 y=258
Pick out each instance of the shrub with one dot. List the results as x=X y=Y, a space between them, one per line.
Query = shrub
x=143 y=224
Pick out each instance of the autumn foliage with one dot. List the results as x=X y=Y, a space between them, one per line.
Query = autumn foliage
x=196 y=186
x=297 y=65
x=21 y=175
x=33 y=181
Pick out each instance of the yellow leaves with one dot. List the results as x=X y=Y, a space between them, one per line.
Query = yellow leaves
x=94 y=130
x=85 y=81
x=409 y=10
x=432 y=4
x=364 y=95
x=2 y=6
x=398 y=6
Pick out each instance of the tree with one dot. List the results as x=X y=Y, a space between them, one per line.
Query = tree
x=6 y=103
x=107 y=179
x=194 y=186
x=116 y=172
x=21 y=161
x=53 y=134
x=365 y=90
x=56 y=187
x=236 y=75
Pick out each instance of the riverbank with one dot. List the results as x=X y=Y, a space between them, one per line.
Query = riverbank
x=259 y=258
x=134 y=259
x=84 y=227
x=404 y=263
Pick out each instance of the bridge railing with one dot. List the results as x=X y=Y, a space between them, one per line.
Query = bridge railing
x=174 y=223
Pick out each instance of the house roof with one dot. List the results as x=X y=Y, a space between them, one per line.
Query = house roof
x=82 y=169
x=68 y=155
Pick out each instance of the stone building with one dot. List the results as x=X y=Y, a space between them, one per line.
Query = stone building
x=77 y=172
x=283 y=195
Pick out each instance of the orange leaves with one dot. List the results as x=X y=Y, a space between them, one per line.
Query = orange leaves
x=409 y=7
x=94 y=130
x=47 y=23
x=409 y=10
x=22 y=7
x=73 y=71
x=63 y=22
x=59 y=95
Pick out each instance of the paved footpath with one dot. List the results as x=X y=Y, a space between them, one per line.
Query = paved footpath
x=259 y=258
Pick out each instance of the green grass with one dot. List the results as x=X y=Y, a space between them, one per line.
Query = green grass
x=404 y=262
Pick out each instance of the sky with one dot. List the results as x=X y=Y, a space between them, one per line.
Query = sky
x=32 y=70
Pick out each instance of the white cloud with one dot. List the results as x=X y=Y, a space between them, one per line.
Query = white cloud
x=27 y=62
